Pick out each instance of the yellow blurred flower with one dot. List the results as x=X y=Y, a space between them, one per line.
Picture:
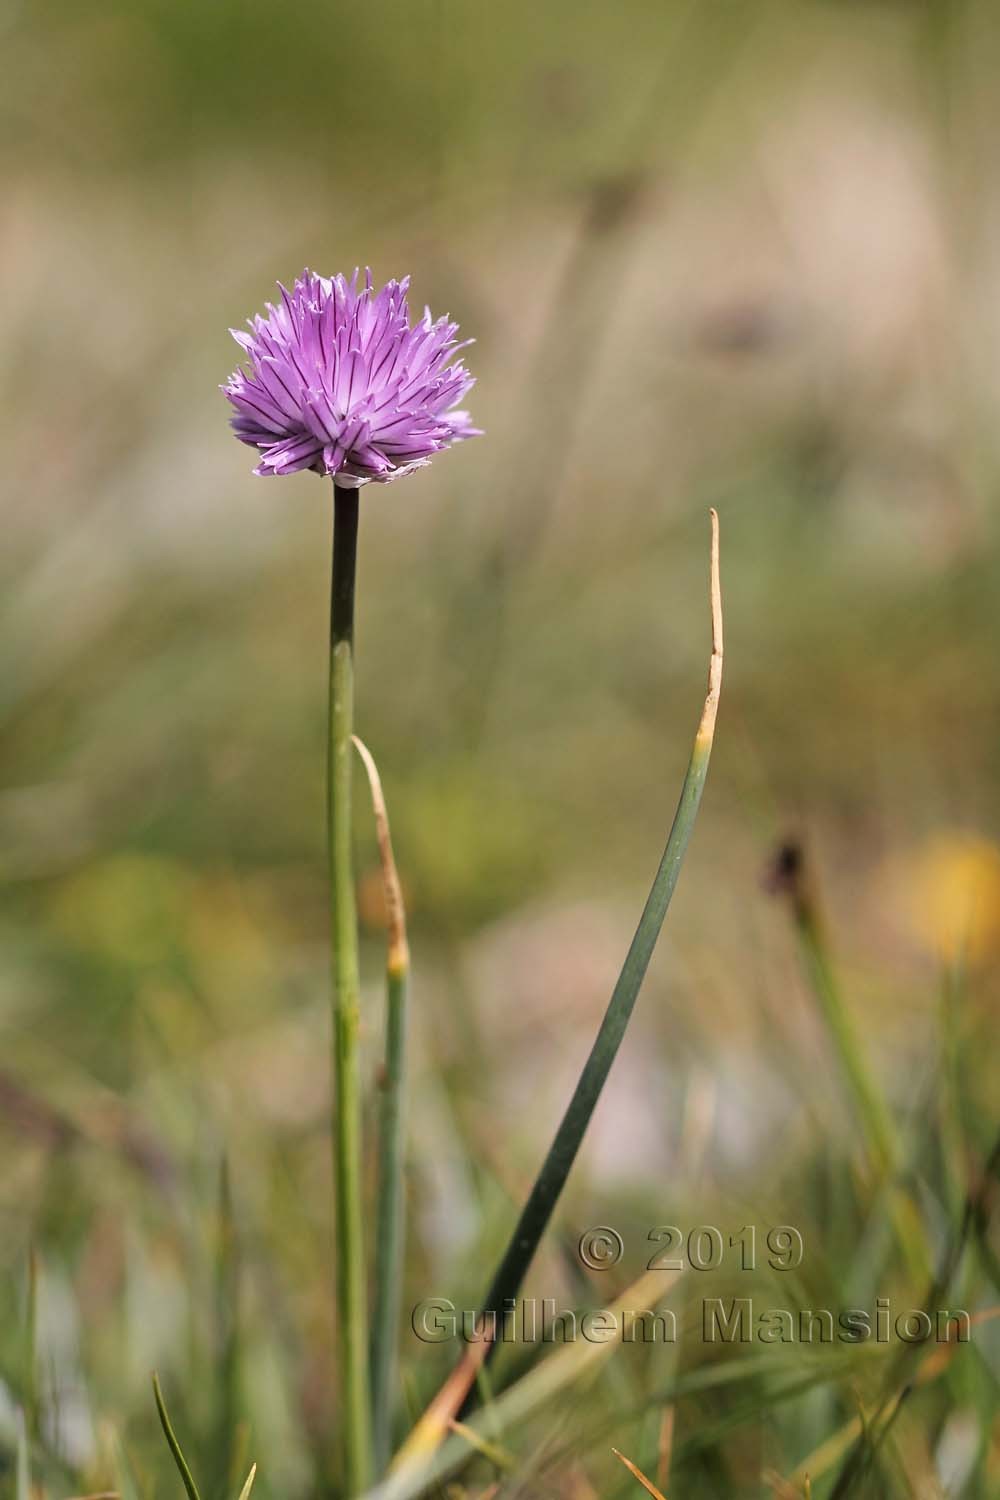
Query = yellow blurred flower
x=953 y=890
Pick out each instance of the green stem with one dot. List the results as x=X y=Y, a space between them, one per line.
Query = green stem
x=389 y=1218
x=172 y=1443
x=225 y=1445
x=876 y=1122
x=32 y=1410
x=877 y=1125
x=562 y=1153
x=351 y=1292
x=390 y=1209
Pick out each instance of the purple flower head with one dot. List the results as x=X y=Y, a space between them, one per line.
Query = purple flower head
x=341 y=383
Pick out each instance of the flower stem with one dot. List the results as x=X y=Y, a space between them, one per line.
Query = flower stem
x=351 y=1291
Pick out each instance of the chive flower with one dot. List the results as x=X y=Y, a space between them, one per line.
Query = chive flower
x=339 y=381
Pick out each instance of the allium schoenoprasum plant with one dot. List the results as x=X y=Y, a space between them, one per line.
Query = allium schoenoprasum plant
x=342 y=382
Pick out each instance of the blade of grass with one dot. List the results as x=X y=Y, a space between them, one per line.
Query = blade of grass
x=637 y=1473
x=497 y=1456
x=22 y=1488
x=556 y=1168
x=791 y=878
x=173 y=1444
x=950 y=1104
x=248 y=1486
x=226 y=1460
x=32 y=1403
x=390 y=1206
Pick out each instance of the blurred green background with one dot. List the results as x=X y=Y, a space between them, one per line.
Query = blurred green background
x=730 y=254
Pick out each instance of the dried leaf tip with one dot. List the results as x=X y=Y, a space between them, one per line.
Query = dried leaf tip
x=398 y=958
x=715 y=585
x=706 y=729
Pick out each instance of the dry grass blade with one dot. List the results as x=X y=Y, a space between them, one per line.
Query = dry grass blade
x=437 y=1419
x=637 y=1473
